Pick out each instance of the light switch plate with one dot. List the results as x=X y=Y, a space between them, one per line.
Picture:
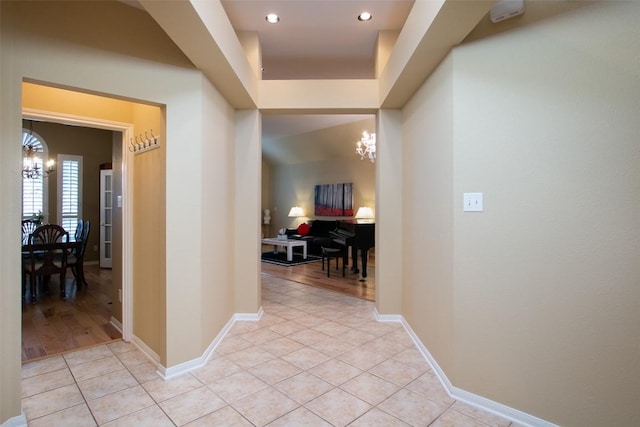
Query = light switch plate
x=473 y=202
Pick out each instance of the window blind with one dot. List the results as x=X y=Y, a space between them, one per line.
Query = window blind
x=70 y=191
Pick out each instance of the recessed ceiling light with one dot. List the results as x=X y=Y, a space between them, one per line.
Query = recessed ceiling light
x=365 y=16
x=272 y=18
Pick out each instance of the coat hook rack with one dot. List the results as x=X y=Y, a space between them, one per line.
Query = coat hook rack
x=141 y=143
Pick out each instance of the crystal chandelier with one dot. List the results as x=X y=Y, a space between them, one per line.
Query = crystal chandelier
x=366 y=147
x=32 y=167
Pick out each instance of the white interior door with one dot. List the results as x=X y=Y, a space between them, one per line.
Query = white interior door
x=106 y=203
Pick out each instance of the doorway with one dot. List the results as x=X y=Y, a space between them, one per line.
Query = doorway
x=300 y=151
x=120 y=276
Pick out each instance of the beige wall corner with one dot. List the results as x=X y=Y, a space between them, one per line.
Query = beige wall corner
x=10 y=209
x=431 y=30
x=252 y=48
x=203 y=32
x=389 y=212
x=532 y=305
x=384 y=46
x=246 y=241
x=428 y=202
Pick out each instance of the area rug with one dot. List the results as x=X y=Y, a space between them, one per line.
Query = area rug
x=281 y=259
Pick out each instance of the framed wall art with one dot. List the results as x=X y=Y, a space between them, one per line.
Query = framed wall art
x=334 y=199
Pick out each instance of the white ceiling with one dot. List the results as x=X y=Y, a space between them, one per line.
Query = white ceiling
x=312 y=147
x=314 y=39
x=317 y=38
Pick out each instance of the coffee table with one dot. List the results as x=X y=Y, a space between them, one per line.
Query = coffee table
x=289 y=243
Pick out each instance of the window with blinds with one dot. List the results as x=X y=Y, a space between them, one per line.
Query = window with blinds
x=33 y=189
x=33 y=195
x=69 y=191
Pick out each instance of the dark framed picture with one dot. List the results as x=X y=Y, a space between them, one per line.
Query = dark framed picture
x=334 y=199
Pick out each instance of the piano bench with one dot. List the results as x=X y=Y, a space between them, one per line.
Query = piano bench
x=332 y=253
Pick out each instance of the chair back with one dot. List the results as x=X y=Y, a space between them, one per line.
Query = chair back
x=48 y=233
x=78 y=233
x=28 y=227
x=85 y=236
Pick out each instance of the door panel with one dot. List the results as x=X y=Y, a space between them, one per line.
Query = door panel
x=106 y=211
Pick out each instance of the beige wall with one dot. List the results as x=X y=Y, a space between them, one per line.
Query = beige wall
x=532 y=303
x=390 y=215
x=247 y=159
x=129 y=58
x=530 y=310
x=428 y=202
x=148 y=197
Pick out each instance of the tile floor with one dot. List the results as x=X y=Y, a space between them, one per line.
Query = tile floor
x=316 y=358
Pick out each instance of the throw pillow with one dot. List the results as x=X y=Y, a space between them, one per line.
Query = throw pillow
x=303 y=229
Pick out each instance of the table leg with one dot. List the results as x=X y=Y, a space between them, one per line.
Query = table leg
x=289 y=252
x=304 y=250
x=365 y=257
x=275 y=249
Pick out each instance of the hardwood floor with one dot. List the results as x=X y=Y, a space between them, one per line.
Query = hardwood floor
x=53 y=325
x=312 y=275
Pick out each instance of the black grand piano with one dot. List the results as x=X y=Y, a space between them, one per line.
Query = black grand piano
x=358 y=236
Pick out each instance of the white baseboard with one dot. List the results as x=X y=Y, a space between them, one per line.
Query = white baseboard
x=472 y=399
x=454 y=392
x=144 y=349
x=18 y=421
x=116 y=324
x=185 y=367
x=151 y=355
x=249 y=316
x=387 y=317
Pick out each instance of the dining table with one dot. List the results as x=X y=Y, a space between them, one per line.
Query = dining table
x=36 y=253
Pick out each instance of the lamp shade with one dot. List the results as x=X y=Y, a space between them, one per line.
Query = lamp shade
x=296 y=212
x=364 y=212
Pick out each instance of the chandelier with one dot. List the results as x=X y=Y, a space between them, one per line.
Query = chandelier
x=32 y=167
x=366 y=147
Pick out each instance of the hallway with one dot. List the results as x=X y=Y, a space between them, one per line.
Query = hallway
x=315 y=358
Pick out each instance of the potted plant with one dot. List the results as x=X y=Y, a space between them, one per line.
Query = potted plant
x=37 y=218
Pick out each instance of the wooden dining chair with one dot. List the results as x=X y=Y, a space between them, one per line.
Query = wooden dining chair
x=46 y=255
x=78 y=233
x=28 y=227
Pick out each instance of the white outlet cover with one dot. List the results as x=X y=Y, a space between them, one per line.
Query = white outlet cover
x=473 y=202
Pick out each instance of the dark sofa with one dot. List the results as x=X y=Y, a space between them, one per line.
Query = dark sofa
x=318 y=235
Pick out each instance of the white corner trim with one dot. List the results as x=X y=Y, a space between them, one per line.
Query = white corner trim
x=116 y=324
x=387 y=317
x=472 y=399
x=522 y=418
x=249 y=316
x=190 y=365
x=17 y=421
x=146 y=350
